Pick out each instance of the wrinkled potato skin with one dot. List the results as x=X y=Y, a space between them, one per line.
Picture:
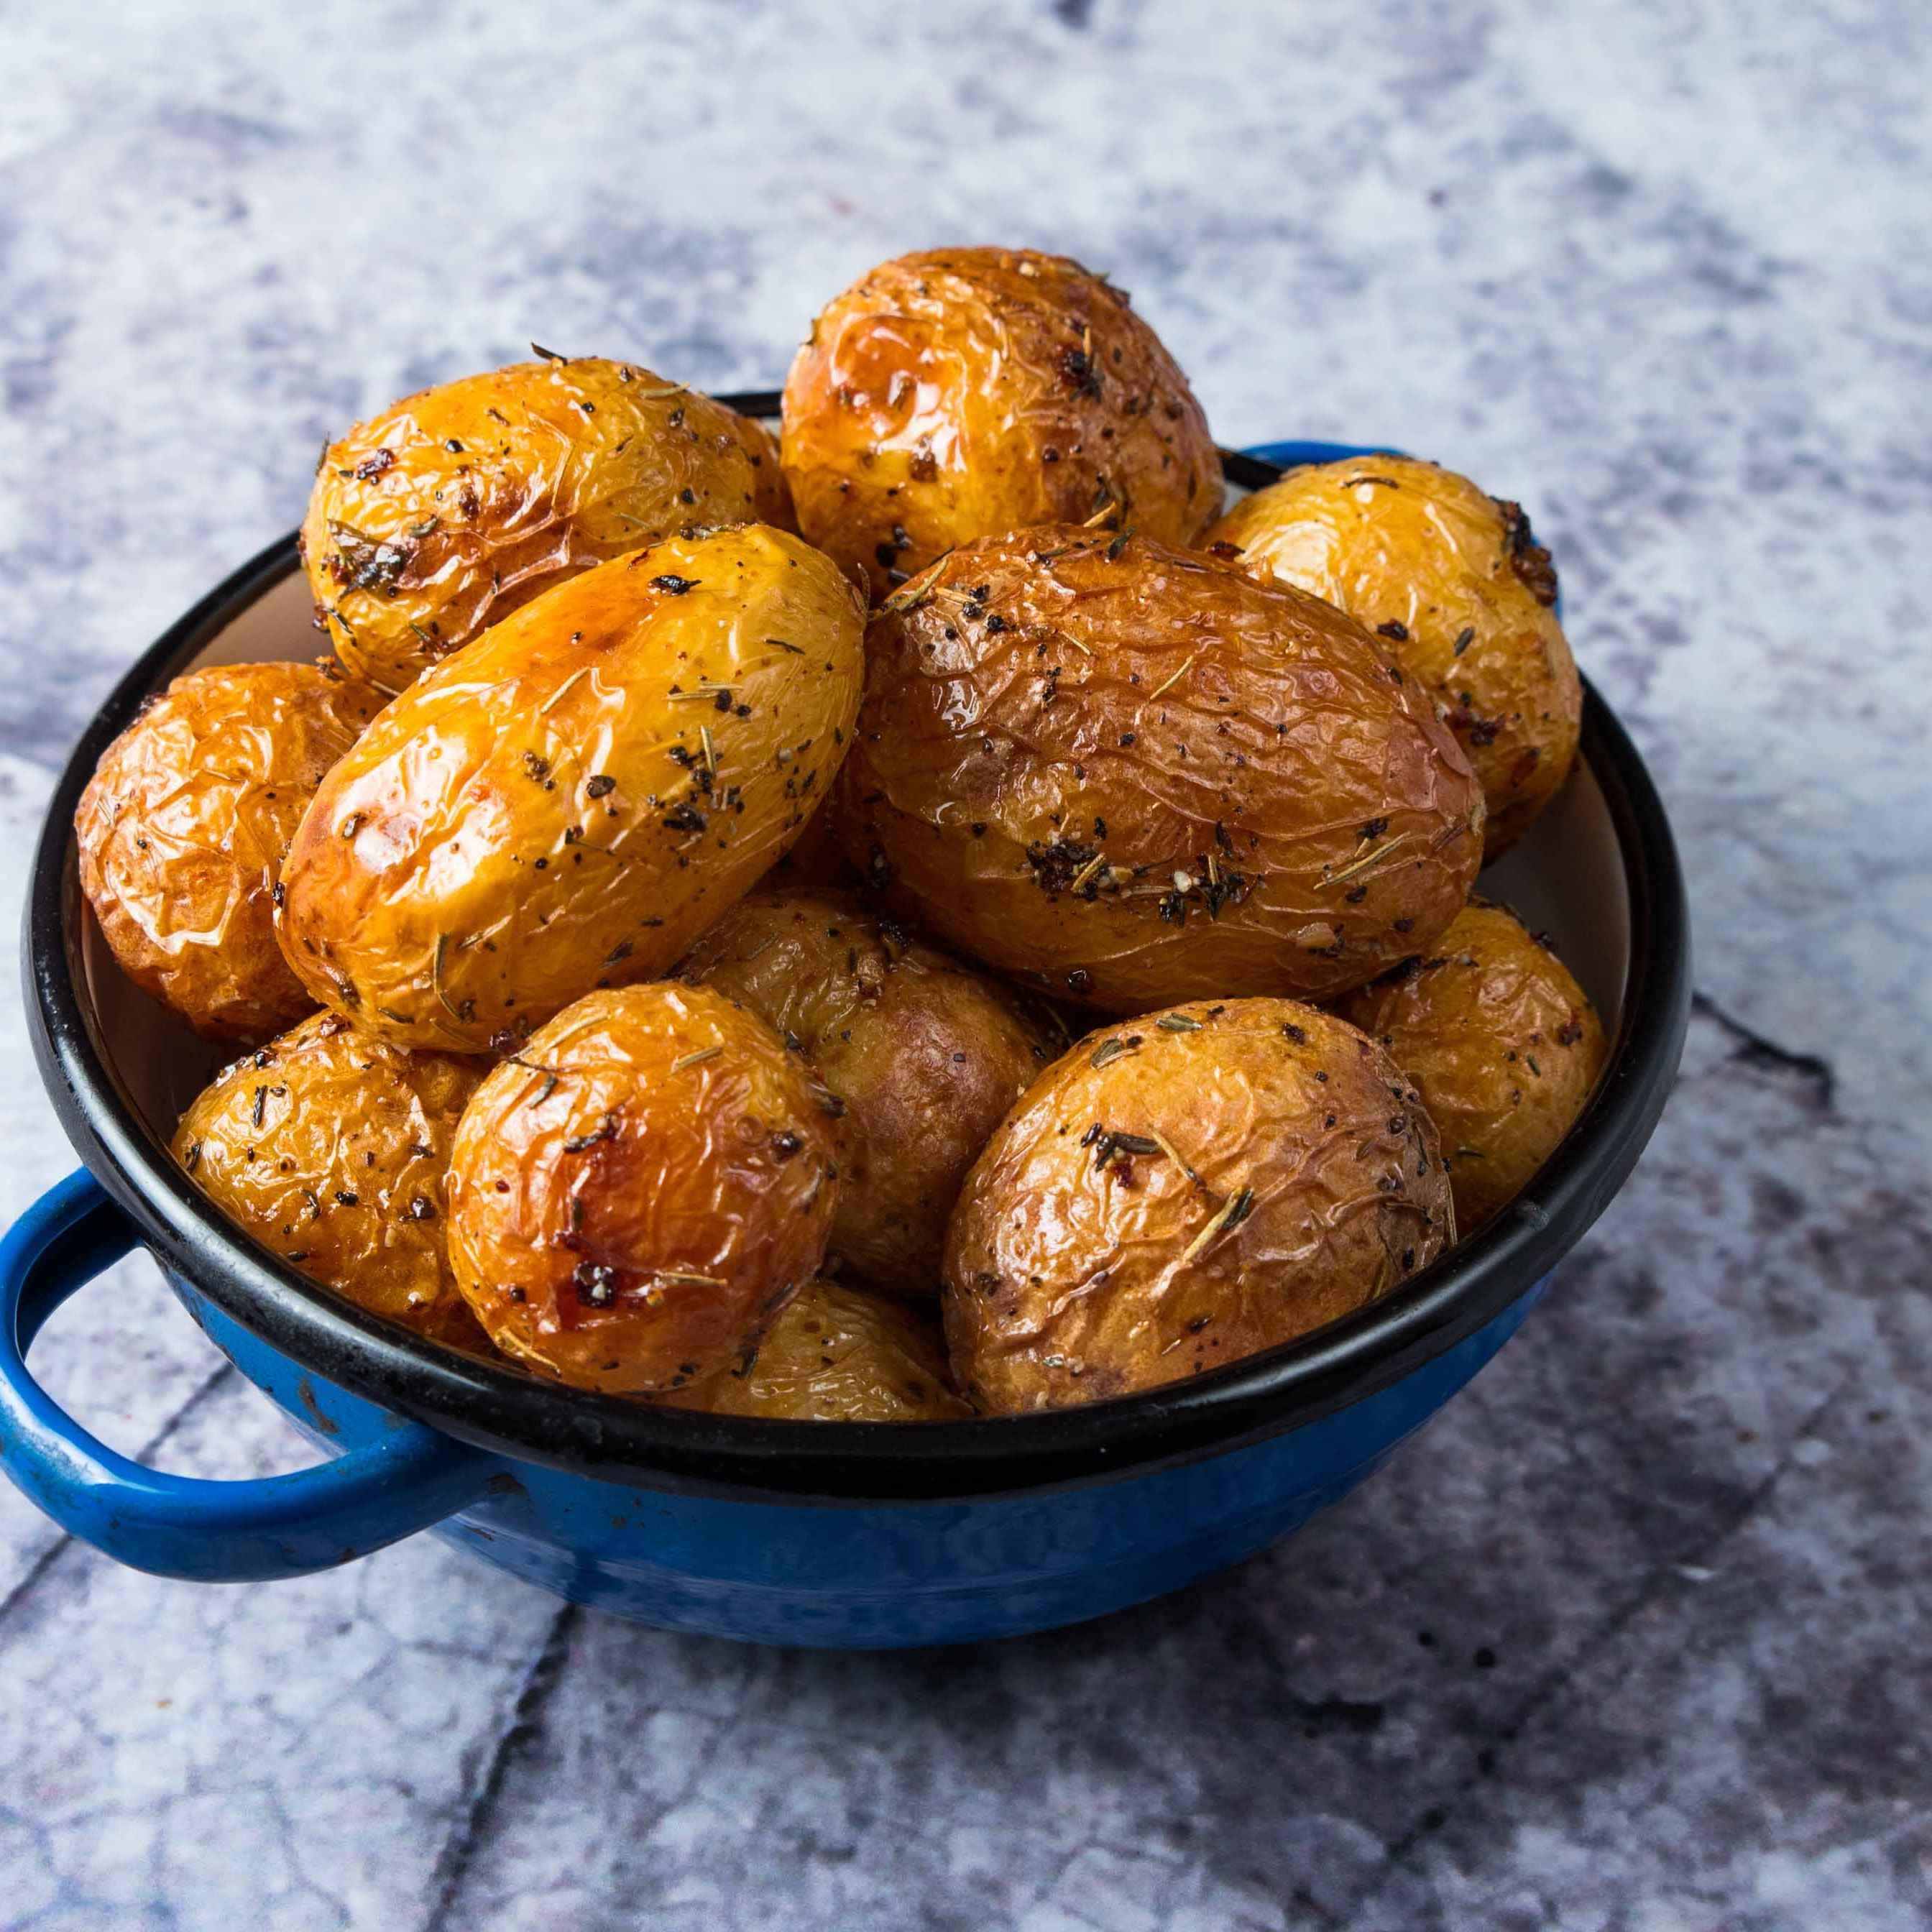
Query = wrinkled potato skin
x=680 y=1138
x=1068 y=1278
x=967 y=391
x=1423 y=557
x=1503 y=1043
x=838 y=1354
x=340 y=1171
x=182 y=831
x=535 y=818
x=927 y=1054
x=413 y=548
x=1000 y=735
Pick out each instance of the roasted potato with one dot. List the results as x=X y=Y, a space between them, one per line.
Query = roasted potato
x=838 y=1354
x=926 y=1054
x=636 y=1194
x=1130 y=774
x=968 y=392
x=436 y=519
x=569 y=801
x=180 y=833
x=1503 y=1044
x=329 y=1148
x=1459 y=592
x=1180 y=1191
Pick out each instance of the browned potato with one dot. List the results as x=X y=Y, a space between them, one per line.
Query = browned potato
x=1453 y=582
x=967 y=391
x=329 y=1147
x=838 y=1354
x=636 y=1194
x=1182 y=1190
x=1130 y=774
x=927 y=1055
x=436 y=519
x=1503 y=1043
x=571 y=800
x=180 y=833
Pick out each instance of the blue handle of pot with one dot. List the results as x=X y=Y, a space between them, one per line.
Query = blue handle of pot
x=184 y=1526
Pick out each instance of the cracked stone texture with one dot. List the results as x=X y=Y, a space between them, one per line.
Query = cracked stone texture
x=1637 y=1636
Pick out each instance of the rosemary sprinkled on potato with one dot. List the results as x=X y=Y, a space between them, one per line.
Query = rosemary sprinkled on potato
x=686 y=1276
x=913 y=592
x=1230 y=1214
x=1116 y=1049
x=1167 y=684
x=1370 y=859
x=1178 y=1023
x=696 y=1059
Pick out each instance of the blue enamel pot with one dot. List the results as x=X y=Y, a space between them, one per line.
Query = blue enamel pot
x=855 y=1535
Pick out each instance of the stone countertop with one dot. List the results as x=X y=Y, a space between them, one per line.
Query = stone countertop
x=1637 y=1636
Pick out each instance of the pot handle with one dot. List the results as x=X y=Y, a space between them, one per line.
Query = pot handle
x=203 y=1531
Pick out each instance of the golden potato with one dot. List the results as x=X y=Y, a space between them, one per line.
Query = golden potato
x=1130 y=774
x=838 y=1354
x=927 y=1054
x=182 y=830
x=569 y=801
x=636 y=1194
x=329 y=1148
x=1180 y=1191
x=1461 y=595
x=965 y=392
x=1503 y=1043
x=434 y=521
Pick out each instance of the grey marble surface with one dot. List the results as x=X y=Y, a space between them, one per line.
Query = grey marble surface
x=1637 y=1636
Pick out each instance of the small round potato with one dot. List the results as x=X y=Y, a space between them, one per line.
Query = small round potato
x=967 y=391
x=636 y=1194
x=1503 y=1043
x=927 y=1054
x=1130 y=774
x=1183 y=1190
x=329 y=1148
x=569 y=802
x=182 y=831
x=436 y=519
x=1461 y=595
x=838 y=1354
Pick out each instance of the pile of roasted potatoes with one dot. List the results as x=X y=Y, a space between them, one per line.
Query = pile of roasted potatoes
x=931 y=914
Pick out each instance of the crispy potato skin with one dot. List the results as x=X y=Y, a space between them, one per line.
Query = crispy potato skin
x=927 y=1054
x=838 y=1354
x=1130 y=774
x=181 y=830
x=434 y=521
x=1080 y=1265
x=1453 y=582
x=329 y=1147
x=636 y=1194
x=967 y=391
x=1503 y=1043
x=540 y=815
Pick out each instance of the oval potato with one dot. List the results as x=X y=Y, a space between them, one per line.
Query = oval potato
x=837 y=1354
x=1453 y=582
x=569 y=801
x=182 y=831
x=1129 y=775
x=964 y=392
x=1180 y=1191
x=1503 y=1043
x=635 y=1195
x=329 y=1148
x=437 y=518
x=927 y=1054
